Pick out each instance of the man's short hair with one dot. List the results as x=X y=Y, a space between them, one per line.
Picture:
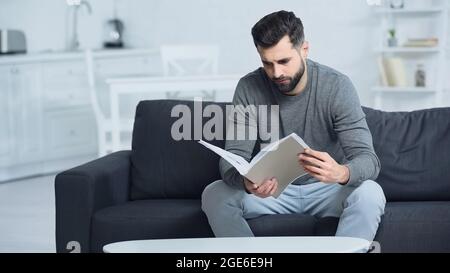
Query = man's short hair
x=273 y=27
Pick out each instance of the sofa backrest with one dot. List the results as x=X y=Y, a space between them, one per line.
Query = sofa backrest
x=413 y=147
x=163 y=167
x=414 y=150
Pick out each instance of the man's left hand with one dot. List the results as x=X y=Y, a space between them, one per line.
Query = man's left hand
x=323 y=167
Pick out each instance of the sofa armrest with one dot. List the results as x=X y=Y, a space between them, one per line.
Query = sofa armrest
x=83 y=190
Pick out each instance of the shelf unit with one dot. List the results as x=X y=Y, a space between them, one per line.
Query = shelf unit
x=405 y=50
x=413 y=21
x=408 y=11
x=387 y=89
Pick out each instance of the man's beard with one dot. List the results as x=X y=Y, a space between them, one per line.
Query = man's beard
x=293 y=81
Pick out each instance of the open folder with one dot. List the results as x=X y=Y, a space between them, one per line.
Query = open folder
x=278 y=159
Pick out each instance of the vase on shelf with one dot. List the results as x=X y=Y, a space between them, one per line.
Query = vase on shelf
x=420 y=76
x=392 y=40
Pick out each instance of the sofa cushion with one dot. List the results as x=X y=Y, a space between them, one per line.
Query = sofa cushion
x=414 y=150
x=149 y=219
x=283 y=225
x=179 y=218
x=406 y=227
x=166 y=168
x=415 y=227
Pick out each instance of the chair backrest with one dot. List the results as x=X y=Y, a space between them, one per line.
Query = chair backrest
x=93 y=92
x=182 y=60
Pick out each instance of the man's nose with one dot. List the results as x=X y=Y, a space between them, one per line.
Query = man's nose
x=277 y=71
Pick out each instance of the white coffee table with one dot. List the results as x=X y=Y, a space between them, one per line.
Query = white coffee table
x=300 y=244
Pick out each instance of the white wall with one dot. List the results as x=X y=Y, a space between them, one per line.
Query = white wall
x=340 y=32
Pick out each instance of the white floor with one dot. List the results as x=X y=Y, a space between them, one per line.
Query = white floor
x=27 y=215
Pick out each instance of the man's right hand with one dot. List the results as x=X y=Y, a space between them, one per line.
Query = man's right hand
x=267 y=188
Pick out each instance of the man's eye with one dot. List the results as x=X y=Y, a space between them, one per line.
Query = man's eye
x=283 y=62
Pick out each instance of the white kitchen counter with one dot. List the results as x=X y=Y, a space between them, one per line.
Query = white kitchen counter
x=74 y=55
x=47 y=118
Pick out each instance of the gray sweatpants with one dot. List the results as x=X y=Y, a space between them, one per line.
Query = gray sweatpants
x=359 y=207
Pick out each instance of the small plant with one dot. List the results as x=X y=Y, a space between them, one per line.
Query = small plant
x=392 y=40
x=391 y=33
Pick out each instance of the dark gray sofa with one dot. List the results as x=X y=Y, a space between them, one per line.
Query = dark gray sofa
x=154 y=190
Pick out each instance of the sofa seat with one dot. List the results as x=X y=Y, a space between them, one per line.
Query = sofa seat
x=415 y=227
x=149 y=219
x=175 y=218
x=406 y=227
x=180 y=218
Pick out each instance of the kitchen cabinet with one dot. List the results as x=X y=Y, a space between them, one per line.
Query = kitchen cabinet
x=47 y=122
x=64 y=84
x=6 y=123
x=26 y=113
x=20 y=107
x=69 y=132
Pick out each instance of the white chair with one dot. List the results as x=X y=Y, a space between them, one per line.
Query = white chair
x=184 y=59
x=103 y=120
x=190 y=60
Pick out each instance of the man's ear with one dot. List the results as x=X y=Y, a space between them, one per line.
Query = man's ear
x=305 y=49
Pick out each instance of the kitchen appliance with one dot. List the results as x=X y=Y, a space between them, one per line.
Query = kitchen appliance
x=113 y=31
x=12 y=41
x=113 y=34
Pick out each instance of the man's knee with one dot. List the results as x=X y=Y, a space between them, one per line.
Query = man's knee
x=369 y=194
x=216 y=195
x=212 y=190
